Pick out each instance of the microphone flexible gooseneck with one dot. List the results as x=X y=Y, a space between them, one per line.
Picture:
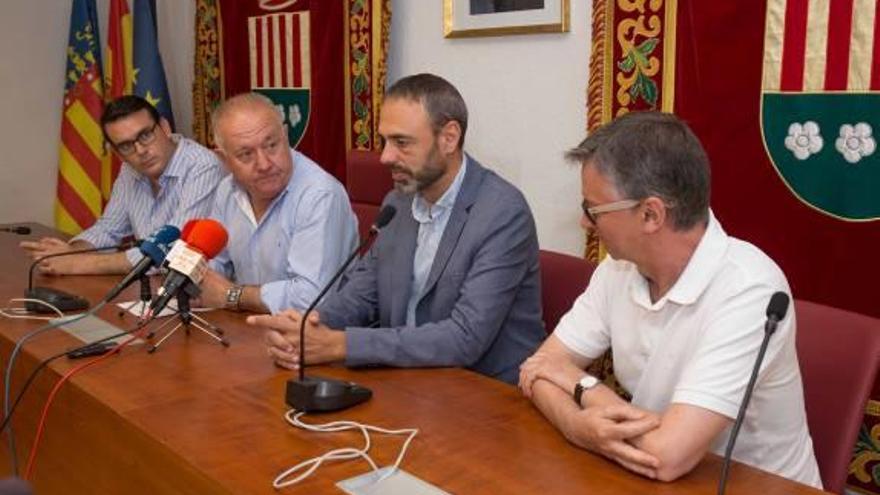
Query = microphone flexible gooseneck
x=382 y=219
x=776 y=310
x=324 y=394
x=120 y=247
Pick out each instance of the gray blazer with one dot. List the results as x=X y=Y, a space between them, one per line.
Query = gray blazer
x=481 y=306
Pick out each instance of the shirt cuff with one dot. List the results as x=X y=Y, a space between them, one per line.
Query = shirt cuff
x=134 y=256
x=272 y=296
x=95 y=239
x=708 y=401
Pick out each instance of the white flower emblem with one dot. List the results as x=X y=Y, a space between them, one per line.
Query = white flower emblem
x=855 y=142
x=804 y=139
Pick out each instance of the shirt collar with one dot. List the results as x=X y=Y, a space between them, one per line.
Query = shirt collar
x=244 y=201
x=424 y=212
x=176 y=166
x=697 y=274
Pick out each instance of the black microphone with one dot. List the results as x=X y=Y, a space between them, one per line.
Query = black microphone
x=154 y=249
x=776 y=310
x=20 y=230
x=316 y=394
x=64 y=301
x=187 y=261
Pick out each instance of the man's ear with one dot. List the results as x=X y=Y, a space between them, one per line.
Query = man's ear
x=449 y=137
x=220 y=154
x=654 y=214
x=166 y=127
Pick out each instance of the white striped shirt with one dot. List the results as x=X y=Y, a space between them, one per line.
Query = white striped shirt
x=186 y=191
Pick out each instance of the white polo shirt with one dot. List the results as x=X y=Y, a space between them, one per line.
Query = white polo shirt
x=698 y=344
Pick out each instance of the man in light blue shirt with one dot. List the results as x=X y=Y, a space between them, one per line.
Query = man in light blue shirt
x=165 y=179
x=290 y=223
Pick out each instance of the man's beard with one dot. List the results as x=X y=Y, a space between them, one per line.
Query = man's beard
x=421 y=179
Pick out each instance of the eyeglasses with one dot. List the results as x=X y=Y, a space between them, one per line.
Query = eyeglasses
x=143 y=138
x=592 y=212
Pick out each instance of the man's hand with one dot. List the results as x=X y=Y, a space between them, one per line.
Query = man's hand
x=322 y=344
x=213 y=288
x=75 y=264
x=542 y=365
x=46 y=246
x=608 y=430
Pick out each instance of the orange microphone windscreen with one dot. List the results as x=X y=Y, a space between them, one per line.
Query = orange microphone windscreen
x=208 y=236
x=187 y=228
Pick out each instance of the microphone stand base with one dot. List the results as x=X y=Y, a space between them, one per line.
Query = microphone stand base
x=315 y=394
x=64 y=301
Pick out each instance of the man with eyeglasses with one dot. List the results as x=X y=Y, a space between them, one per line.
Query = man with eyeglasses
x=165 y=179
x=682 y=306
x=290 y=223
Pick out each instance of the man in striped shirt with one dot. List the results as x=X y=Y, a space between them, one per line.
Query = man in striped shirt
x=165 y=179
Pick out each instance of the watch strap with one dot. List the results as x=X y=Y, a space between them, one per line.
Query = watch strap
x=233 y=297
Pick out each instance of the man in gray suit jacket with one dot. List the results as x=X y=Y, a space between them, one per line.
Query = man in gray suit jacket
x=453 y=280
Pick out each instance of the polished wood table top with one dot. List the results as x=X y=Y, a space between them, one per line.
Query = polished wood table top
x=196 y=417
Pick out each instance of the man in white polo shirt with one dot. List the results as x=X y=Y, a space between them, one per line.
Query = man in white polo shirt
x=682 y=306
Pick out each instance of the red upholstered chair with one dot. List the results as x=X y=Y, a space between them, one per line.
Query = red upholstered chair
x=839 y=355
x=368 y=181
x=563 y=279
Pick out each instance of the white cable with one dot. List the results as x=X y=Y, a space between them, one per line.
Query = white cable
x=22 y=313
x=311 y=465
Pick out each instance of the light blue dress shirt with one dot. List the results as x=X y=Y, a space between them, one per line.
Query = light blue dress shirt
x=186 y=191
x=432 y=221
x=301 y=240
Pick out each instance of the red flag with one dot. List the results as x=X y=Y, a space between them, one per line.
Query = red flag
x=81 y=150
x=119 y=75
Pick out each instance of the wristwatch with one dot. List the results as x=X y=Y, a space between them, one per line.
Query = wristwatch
x=233 y=297
x=585 y=383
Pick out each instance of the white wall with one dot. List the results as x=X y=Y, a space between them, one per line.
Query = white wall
x=526 y=96
x=32 y=40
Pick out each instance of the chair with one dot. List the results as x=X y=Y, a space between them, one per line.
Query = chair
x=563 y=279
x=839 y=355
x=368 y=181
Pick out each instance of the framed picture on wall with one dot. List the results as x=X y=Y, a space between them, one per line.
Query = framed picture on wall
x=470 y=18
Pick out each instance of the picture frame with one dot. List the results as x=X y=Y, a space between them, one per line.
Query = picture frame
x=475 y=18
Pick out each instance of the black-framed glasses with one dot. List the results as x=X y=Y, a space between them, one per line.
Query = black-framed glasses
x=143 y=138
x=591 y=212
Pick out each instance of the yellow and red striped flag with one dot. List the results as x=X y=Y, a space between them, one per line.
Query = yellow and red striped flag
x=119 y=76
x=78 y=201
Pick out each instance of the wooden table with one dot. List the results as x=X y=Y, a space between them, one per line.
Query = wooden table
x=198 y=418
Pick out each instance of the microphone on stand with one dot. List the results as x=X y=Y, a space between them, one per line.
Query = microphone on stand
x=776 y=310
x=187 y=261
x=64 y=301
x=155 y=249
x=20 y=230
x=316 y=394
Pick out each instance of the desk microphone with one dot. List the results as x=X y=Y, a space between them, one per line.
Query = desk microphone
x=64 y=301
x=775 y=313
x=201 y=240
x=20 y=230
x=155 y=249
x=316 y=394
